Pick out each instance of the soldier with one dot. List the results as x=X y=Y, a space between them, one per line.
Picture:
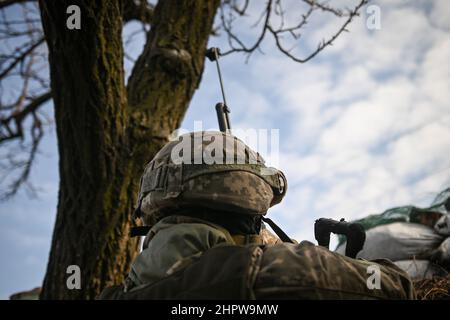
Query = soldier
x=194 y=199
x=203 y=199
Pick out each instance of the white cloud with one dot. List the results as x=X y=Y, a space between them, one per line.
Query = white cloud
x=364 y=123
x=422 y=151
x=434 y=77
x=374 y=113
x=440 y=14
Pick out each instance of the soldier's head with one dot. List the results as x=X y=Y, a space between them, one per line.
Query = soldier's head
x=208 y=172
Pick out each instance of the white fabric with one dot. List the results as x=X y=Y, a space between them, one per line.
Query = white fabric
x=398 y=241
x=420 y=269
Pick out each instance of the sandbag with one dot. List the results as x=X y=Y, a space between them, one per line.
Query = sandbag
x=282 y=271
x=398 y=241
x=441 y=255
x=411 y=214
x=421 y=269
x=426 y=216
x=442 y=226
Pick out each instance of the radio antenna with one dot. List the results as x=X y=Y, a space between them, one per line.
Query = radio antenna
x=222 y=109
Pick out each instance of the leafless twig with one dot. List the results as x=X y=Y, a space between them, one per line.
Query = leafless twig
x=25 y=86
x=274 y=13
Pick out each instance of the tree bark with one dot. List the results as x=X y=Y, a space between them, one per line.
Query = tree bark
x=103 y=140
x=167 y=73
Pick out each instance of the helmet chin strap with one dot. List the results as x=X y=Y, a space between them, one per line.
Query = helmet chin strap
x=280 y=233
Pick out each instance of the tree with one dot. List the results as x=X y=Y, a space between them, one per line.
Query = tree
x=107 y=130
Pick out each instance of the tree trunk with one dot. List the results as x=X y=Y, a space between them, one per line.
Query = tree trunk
x=104 y=141
x=168 y=72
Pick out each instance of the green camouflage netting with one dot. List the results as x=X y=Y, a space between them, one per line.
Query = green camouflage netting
x=439 y=206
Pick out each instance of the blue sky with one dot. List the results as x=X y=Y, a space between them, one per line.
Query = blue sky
x=363 y=127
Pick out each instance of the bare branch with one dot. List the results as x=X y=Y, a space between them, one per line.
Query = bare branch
x=274 y=8
x=241 y=11
x=227 y=26
x=25 y=165
x=18 y=117
x=324 y=7
x=24 y=82
x=21 y=57
x=351 y=14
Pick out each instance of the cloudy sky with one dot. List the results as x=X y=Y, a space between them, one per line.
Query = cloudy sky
x=363 y=127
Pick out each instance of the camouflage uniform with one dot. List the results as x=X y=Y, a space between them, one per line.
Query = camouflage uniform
x=171 y=245
x=181 y=250
x=281 y=271
x=245 y=186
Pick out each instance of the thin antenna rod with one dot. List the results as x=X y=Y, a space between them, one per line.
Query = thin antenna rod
x=216 y=55
x=221 y=108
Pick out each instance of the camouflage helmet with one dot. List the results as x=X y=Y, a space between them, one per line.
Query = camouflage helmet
x=208 y=169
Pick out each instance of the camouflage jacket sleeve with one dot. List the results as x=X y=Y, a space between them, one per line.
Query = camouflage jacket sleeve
x=173 y=246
